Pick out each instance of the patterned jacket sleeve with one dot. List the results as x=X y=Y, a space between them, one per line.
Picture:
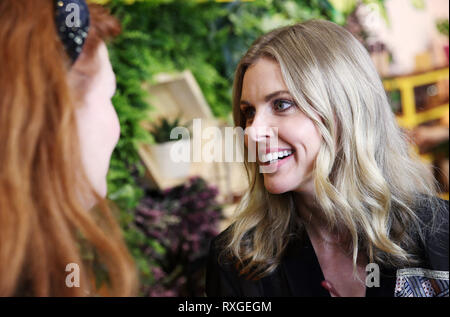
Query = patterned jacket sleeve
x=432 y=280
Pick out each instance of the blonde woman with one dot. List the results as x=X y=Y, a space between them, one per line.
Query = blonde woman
x=347 y=210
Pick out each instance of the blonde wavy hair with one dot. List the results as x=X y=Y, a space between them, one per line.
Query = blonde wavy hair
x=368 y=182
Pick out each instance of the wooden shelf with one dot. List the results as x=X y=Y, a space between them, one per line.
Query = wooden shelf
x=411 y=117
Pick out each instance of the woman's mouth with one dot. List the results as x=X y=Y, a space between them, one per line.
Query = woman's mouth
x=274 y=157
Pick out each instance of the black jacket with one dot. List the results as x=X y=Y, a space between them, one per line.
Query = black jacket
x=299 y=273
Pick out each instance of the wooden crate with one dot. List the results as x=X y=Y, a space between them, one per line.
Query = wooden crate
x=179 y=95
x=176 y=95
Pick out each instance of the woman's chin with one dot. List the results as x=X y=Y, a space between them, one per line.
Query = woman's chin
x=275 y=187
x=102 y=189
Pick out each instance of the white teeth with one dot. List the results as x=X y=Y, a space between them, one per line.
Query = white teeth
x=275 y=155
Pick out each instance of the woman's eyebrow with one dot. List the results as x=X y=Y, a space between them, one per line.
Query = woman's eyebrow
x=244 y=102
x=267 y=98
x=275 y=94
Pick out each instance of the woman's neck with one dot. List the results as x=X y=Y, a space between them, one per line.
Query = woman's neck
x=315 y=221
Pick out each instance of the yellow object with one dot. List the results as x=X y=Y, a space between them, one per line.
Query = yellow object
x=444 y=119
x=444 y=196
x=410 y=118
x=423 y=62
x=102 y=2
x=345 y=6
x=99 y=1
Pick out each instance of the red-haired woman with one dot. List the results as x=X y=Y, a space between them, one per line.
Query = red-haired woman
x=58 y=129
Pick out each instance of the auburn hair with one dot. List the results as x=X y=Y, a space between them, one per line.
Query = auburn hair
x=44 y=224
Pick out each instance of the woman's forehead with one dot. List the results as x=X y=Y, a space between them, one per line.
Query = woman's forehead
x=262 y=78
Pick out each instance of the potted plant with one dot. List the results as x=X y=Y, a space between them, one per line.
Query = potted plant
x=172 y=155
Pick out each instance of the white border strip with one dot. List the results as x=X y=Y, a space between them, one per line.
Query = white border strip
x=442 y=275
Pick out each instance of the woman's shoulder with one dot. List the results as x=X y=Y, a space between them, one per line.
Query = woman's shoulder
x=218 y=243
x=427 y=207
x=434 y=216
x=222 y=277
x=219 y=253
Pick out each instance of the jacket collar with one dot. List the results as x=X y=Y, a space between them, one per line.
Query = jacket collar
x=304 y=275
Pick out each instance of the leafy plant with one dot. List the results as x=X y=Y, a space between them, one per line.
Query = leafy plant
x=442 y=26
x=161 y=130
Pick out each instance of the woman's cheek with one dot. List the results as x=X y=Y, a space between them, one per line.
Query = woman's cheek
x=115 y=125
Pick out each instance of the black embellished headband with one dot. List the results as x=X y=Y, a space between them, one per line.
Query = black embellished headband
x=72 y=23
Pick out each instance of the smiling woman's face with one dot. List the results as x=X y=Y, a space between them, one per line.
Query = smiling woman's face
x=267 y=104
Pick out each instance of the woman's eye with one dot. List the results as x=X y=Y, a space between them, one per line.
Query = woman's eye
x=248 y=113
x=281 y=105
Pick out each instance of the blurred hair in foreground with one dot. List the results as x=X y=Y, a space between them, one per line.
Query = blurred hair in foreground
x=44 y=223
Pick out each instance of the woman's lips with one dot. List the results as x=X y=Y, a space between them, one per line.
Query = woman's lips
x=275 y=157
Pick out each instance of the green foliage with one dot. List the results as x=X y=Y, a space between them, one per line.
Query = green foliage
x=442 y=26
x=167 y=36
x=418 y=4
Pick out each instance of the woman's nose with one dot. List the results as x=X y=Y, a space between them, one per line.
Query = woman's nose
x=260 y=136
x=260 y=129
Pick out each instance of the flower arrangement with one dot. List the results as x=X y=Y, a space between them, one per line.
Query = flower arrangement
x=183 y=220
